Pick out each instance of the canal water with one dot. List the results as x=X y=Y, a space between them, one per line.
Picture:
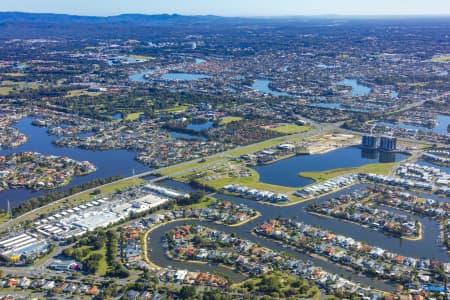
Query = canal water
x=427 y=247
x=357 y=88
x=198 y=127
x=286 y=172
x=262 y=85
x=186 y=136
x=429 y=164
x=139 y=77
x=441 y=127
x=199 y=61
x=108 y=163
x=184 y=76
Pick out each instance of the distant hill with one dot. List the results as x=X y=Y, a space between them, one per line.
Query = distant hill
x=139 y=26
x=137 y=19
x=44 y=25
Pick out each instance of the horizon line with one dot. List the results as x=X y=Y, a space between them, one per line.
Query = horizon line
x=239 y=16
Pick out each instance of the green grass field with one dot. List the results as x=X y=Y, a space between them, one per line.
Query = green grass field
x=229 y=119
x=283 y=285
x=441 y=58
x=382 y=169
x=291 y=129
x=4 y=90
x=250 y=181
x=3 y=217
x=141 y=57
x=204 y=203
x=103 y=266
x=189 y=166
x=107 y=189
x=179 y=108
x=133 y=116
x=257 y=147
x=17 y=74
x=13 y=83
x=77 y=93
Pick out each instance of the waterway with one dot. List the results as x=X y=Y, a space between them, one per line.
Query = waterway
x=140 y=77
x=336 y=105
x=184 y=76
x=198 y=127
x=330 y=105
x=123 y=59
x=441 y=128
x=427 y=247
x=285 y=172
x=429 y=164
x=357 y=88
x=394 y=94
x=117 y=116
x=199 y=61
x=262 y=85
x=186 y=136
x=324 y=66
x=108 y=163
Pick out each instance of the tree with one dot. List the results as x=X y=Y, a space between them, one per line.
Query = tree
x=187 y=292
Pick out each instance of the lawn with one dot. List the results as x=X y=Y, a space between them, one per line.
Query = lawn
x=107 y=189
x=76 y=93
x=7 y=86
x=279 y=285
x=188 y=166
x=382 y=169
x=257 y=146
x=441 y=58
x=13 y=83
x=204 y=203
x=133 y=116
x=103 y=266
x=4 y=217
x=291 y=128
x=17 y=74
x=250 y=181
x=141 y=57
x=179 y=108
x=4 y=90
x=229 y=119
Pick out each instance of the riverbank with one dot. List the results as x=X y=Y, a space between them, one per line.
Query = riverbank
x=145 y=248
x=146 y=241
x=258 y=214
x=412 y=238
x=380 y=168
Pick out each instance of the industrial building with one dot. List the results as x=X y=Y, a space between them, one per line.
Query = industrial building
x=24 y=245
x=98 y=213
x=165 y=192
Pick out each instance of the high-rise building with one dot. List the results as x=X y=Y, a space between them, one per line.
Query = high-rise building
x=369 y=141
x=388 y=143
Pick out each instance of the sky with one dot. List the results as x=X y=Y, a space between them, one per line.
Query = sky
x=232 y=7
